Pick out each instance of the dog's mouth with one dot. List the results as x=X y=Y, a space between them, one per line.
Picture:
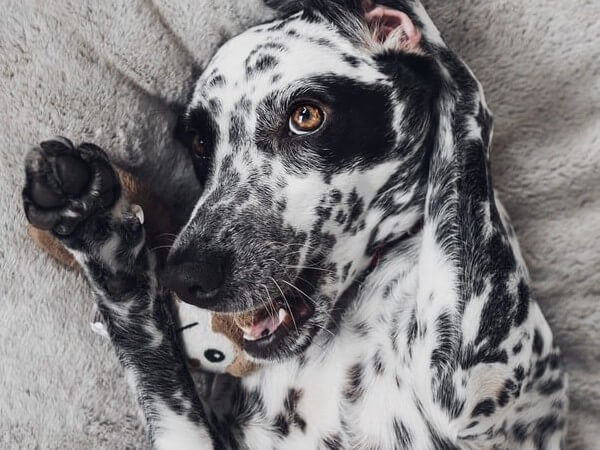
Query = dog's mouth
x=280 y=321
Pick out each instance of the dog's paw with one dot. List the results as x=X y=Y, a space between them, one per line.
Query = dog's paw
x=65 y=185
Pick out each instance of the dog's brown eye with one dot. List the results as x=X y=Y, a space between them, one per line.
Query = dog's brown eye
x=306 y=119
x=199 y=147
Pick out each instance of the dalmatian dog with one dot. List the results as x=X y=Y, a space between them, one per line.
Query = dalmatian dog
x=349 y=227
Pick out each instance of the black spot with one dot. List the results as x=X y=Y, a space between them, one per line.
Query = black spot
x=291 y=401
x=362 y=328
x=538 y=342
x=354 y=390
x=215 y=106
x=323 y=213
x=412 y=330
x=237 y=130
x=446 y=335
x=549 y=387
x=281 y=425
x=519 y=373
x=522 y=303
x=378 y=366
x=540 y=368
x=332 y=442
x=389 y=288
x=218 y=80
x=300 y=422
x=545 y=428
x=485 y=407
x=341 y=217
x=243 y=105
x=504 y=396
x=301 y=360
x=402 y=435
x=352 y=60
x=336 y=196
x=278 y=46
x=262 y=64
x=356 y=207
x=439 y=442
x=553 y=361
x=519 y=431
x=345 y=270
x=517 y=348
x=291 y=405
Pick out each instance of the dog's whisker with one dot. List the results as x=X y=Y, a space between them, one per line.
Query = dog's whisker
x=321 y=269
x=286 y=302
x=271 y=309
x=301 y=291
x=160 y=247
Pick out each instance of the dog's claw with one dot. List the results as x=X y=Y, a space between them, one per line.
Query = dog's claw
x=138 y=212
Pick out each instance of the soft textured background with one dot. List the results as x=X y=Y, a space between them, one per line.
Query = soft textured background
x=114 y=72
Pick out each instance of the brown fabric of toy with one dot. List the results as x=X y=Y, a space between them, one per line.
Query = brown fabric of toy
x=225 y=324
x=53 y=247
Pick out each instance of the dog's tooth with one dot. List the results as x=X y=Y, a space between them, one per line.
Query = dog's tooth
x=248 y=337
x=282 y=315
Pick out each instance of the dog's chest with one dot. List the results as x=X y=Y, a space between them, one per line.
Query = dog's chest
x=358 y=389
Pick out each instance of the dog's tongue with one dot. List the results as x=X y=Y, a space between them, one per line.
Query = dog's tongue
x=259 y=325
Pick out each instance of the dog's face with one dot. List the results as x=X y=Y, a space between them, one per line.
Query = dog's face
x=309 y=134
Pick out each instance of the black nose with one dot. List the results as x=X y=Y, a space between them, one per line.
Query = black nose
x=196 y=281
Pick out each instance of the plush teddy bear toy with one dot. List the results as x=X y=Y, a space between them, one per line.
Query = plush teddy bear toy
x=212 y=342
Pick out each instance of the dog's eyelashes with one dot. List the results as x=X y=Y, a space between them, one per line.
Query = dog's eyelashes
x=305 y=119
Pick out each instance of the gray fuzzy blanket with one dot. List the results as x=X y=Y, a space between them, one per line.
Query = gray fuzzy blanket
x=115 y=72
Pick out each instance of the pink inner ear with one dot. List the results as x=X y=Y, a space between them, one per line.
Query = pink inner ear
x=388 y=20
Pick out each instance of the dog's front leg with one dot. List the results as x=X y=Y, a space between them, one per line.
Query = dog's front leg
x=76 y=194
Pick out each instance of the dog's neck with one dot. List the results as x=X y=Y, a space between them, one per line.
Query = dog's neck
x=392 y=268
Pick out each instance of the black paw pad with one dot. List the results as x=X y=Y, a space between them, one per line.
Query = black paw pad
x=46 y=195
x=73 y=174
x=65 y=185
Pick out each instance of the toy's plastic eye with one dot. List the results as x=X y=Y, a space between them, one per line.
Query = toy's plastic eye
x=306 y=119
x=214 y=356
x=199 y=147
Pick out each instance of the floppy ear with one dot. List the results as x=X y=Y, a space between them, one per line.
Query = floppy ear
x=393 y=28
x=388 y=26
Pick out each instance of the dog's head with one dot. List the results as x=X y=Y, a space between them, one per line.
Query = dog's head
x=311 y=136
